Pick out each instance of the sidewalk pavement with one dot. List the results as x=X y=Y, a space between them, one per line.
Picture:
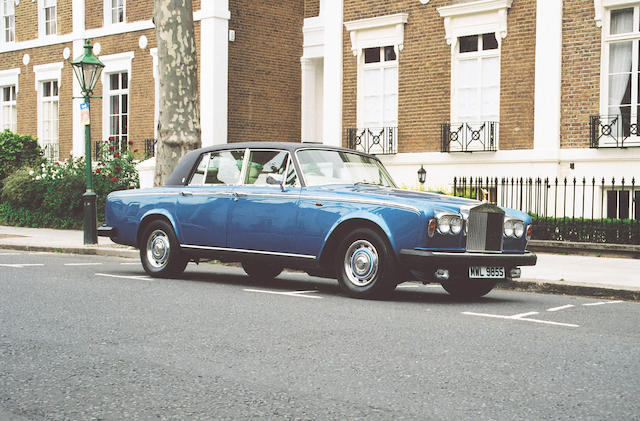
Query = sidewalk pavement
x=610 y=277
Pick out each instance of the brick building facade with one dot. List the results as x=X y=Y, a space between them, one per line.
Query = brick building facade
x=491 y=88
x=260 y=70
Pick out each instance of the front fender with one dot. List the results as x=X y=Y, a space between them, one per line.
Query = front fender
x=398 y=225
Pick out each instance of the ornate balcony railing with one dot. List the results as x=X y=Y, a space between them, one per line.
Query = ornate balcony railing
x=469 y=137
x=373 y=140
x=51 y=152
x=150 y=148
x=614 y=131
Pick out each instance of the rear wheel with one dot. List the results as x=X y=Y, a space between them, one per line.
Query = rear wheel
x=468 y=289
x=261 y=271
x=365 y=265
x=160 y=251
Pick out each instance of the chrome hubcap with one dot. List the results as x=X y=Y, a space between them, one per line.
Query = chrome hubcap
x=158 y=249
x=361 y=263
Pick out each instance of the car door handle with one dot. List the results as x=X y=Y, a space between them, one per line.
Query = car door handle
x=186 y=193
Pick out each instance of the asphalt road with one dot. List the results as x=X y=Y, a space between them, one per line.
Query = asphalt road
x=86 y=337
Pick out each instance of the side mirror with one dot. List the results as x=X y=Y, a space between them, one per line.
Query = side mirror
x=276 y=179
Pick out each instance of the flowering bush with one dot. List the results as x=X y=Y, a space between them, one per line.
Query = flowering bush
x=52 y=192
x=16 y=151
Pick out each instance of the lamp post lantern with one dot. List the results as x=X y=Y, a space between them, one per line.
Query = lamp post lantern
x=87 y=69
x=422 y=176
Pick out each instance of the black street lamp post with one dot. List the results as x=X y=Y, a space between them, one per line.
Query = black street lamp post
x=87 y=69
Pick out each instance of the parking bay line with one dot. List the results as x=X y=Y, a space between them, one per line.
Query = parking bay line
x=83 y=264
x=520 y=317
x=561 y=307
x=20 y=265
x=600 y=303
x=290 y=294
x=137 y=278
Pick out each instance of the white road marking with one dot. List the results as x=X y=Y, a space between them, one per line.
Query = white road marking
x=561 y=307
x=290 y=294
x=600 y=303
x=20 y=265
x=82 y=264
x=409 y=286
x=9 y=254
x=139 y=278
x=130 y=263
x=520 y=317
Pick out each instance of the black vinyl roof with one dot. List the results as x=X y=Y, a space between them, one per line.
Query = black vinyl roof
x=183 y=170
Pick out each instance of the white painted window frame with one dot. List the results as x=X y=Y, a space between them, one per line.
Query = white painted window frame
x=114 y=63
x=117 y=93
x=380 y=67
x=376 y=32
x=603 y=20
x=8 y=78
x=455 y=62
x=45 y=73
x=108 y=13
x=3 y=26
x=473 y=18
x=42 y=32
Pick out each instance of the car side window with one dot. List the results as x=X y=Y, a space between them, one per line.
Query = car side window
x=224 y=167
x=198 y=175
x=292 y=176
x=262 y=164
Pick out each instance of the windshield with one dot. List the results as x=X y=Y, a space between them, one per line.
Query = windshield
x=321 y=167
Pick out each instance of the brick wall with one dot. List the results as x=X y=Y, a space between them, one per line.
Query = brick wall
x=424 y=83
x=264 y=70
x=64 y=16
x=139 y=10
x=311 y=8
x=517 y=77
x=581 y=40
x=26 y=21
x=93 y=13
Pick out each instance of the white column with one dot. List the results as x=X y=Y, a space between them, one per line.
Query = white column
x=308 y=131
x=214 y=71
x=331 y=12
x=548 y=75
x=78 y=48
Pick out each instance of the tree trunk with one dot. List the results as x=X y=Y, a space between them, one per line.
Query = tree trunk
x=179 y=120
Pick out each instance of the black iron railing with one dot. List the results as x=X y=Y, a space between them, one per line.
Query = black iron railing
x=558 y=198
x=469 y=137
x=614 y=131
x=374 y=140
x=51 y=152
x=150 y=148
x=112 y=144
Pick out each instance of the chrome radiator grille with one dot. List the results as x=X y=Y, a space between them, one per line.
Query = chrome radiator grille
x=485 y=228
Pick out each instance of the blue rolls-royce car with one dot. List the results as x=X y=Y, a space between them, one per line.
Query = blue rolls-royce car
x=330 y=211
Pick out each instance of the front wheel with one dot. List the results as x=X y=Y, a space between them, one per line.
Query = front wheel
x=160 y=251
x=365 y=265
x=468 y=289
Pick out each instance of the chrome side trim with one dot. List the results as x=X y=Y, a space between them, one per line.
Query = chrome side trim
x=145 y=194
x=271 y=253
x=362 y=201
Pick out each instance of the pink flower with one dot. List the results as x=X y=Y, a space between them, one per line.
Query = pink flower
x=130 y=142
x=98 y=170
x=112 y=138
x=114 y=179
x=135 y=150
x=116 y=155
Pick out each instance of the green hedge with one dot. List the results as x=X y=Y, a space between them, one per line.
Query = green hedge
x=17 y=151
x=612 y=231
x=50 y=195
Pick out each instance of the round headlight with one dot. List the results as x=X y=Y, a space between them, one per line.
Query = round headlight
x=456 y=225
x=518 y=229
x=508 y=228
x=444 y=224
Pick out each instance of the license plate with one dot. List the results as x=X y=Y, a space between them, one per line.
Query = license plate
x=486 y=272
